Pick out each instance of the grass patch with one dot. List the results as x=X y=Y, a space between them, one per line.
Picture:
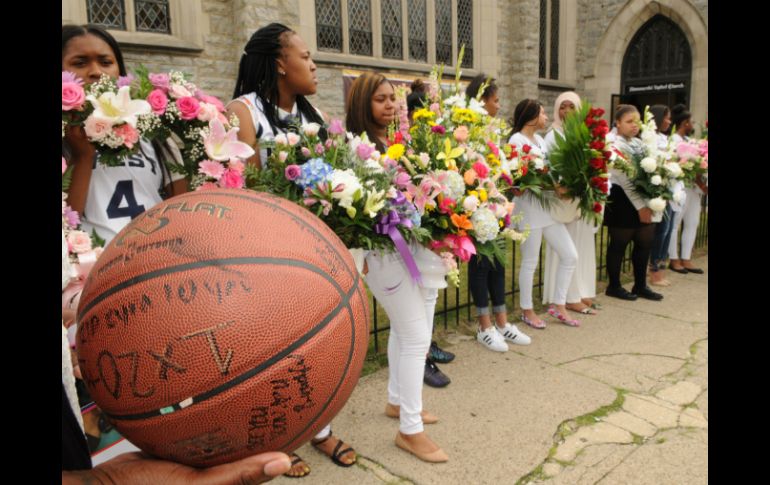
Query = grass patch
x=595 y=416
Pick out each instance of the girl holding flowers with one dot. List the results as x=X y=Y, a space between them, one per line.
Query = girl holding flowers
x=410 y=306
x=689 y=216
x=582 y=287
x=275 y=74
x=108 y=197
x=628 y=216
x=529 y=117
x=485 y=278
x=662 y=116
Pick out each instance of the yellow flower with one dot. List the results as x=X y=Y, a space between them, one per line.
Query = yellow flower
x=483 y=195
x=473 y=192
x=423 y=113
x=395 y=152
x=493 y=160
x=449 y=154
x=464 y=115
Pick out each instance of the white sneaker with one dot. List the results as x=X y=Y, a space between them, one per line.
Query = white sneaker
x=491 y=339
x=513 y=334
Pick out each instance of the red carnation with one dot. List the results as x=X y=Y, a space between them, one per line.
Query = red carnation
x=607 y=155
x=599 y=112
x=590 y=121
x=526 y=148
x=602 y=122
x=597 y=164
x=597 y=181
x=524 y=170
x=597 y=145
x=597 y=207
x=398 y=137
x=600 y=131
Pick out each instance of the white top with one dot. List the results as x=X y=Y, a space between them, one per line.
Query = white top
x=550 y=138
x=534 y=213
x=261 y=124
x=118 y=194
x=627 y=146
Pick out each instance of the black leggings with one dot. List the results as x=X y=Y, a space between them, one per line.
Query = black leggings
x=619 y=238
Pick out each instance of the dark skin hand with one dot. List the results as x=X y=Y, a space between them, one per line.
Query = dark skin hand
x=139 y=469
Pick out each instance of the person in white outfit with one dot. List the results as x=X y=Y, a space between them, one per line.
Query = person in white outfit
x=486 y=278
x=689 y=216
x=582 y=287
x=275 y=74
x=371 y=107
x=663 y=229
x=529 y=117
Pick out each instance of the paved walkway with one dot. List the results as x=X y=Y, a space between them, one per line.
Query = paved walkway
x=621 y=400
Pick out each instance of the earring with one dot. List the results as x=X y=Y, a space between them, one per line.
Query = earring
x=282 y=73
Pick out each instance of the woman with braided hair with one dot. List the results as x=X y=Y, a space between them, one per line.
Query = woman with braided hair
x=275 y=74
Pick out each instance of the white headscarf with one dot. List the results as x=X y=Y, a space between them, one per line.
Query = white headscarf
x=566 y=96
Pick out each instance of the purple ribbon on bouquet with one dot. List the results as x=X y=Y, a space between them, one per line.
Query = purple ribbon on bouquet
x=388 y=224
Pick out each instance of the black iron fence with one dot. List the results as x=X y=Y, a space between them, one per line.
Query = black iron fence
x=457 y=300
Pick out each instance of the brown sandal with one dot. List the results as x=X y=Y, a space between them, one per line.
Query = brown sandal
x=296 y=460
x=336 y=454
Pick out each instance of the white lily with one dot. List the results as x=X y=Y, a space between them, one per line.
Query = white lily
x=119 y=108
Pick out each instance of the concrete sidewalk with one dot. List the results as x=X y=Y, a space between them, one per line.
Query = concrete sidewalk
x=621 y=400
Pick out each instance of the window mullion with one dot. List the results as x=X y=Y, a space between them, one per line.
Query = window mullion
x=345 y=28
x=130 y=11
x=430 y=12
x=376 y=18
x=455 y=47
x=405 y=31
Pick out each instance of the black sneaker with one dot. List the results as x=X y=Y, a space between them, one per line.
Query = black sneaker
x=440 y=355
x=434 y=377
x=621 y=293
x=647 y=293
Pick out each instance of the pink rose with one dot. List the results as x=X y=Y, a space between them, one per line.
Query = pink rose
x=158 y=101
x=236 y=166
x=128 y=133
x=72 y=96
x=207 y=186
x=211 y=169
x=292 y=172
x=305 y=152
x=79 y=242
x=63 y=165
x=179 y=91
x=329 y=144
x=461 y=133
x=319 y=149
x=70 y=77
x=97 y=128
x=494 y=148
x=481 y=169
x=160 y=81
x=207 y=112
x=213 y=100
x=188 y=107
x=231 y=180
x=282 y=156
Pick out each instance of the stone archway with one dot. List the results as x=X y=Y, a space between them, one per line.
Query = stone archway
x=612 y=47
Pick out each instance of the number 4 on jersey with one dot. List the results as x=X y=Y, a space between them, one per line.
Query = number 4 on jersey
x=124 y=190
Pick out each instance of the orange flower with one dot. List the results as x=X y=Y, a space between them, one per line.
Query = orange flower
x=470 y=177
x=461 y=221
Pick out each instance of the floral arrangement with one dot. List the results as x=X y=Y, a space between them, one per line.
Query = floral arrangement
x=655 y=174
x=583 y=158
x=692 y=156
x=83 y=249
x=455 y=173
x=346 y=183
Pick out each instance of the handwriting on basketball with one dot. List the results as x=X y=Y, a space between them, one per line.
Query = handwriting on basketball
x=290 y=394
x=166 y=363
x=205 y=446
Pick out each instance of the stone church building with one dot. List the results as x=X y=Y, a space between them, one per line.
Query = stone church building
x=609 y=51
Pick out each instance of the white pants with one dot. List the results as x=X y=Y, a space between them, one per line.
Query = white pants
x=583 y=281
x=557 y=236
x=690 y=216
x=407 y=306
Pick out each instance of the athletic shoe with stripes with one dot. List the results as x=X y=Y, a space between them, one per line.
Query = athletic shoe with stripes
x=491 y=339
x=512 y=334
